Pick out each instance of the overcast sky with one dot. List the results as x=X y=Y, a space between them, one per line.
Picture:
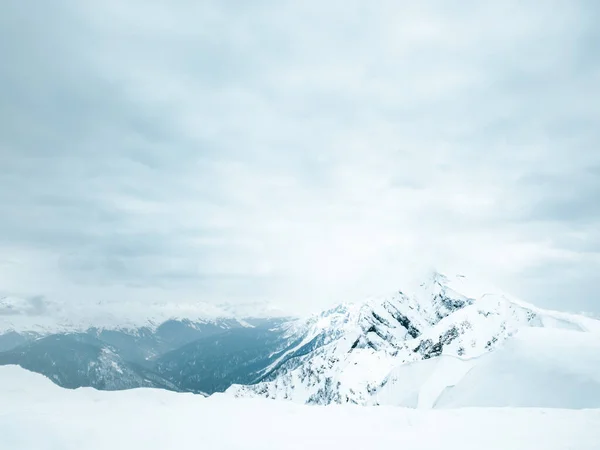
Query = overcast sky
x=300 y=152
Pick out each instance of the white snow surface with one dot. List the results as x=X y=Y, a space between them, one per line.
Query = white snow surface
x=420 y=384
x=364 y=346
x=38 y=415
x=537 y=367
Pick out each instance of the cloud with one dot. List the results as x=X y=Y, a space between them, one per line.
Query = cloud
x=31 y=306
x=301 y=153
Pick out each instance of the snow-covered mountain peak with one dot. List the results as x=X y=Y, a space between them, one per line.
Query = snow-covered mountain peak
x=385 y=322
x=434 y=277
x=345 y=353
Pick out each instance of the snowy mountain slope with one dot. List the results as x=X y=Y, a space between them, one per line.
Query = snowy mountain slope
x=420 y=384
x=37 y=415
x=357 y=346
x=358 y=342
x=550 y=368
x=536 y=367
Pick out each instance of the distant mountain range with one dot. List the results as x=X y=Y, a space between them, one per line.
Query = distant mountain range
x=448 y=342
x=183 y=355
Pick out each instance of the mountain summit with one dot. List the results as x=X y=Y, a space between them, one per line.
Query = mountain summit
x=346 y=354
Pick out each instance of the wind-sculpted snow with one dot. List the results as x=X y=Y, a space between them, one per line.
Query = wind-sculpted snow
x=537 y=367
x=550 y=368
x=356 y=347
x=37 y=415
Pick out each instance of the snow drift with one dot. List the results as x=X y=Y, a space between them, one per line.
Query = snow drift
x=538 y=367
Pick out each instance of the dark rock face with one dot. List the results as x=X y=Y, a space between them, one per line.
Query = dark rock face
x=429 y=349
x=449 y=336
x=406 y=323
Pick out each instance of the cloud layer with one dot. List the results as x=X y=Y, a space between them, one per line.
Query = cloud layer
x=298 y=152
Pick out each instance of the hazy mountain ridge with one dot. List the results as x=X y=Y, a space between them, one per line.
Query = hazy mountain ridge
x=122 y=358
x=352 y=353
x=76 y=360
x=41 y=316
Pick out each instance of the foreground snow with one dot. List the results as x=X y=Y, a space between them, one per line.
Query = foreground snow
x=36 y=414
